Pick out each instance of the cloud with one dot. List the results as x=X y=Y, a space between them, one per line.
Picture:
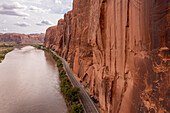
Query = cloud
x=13 y=9
x=24 y=24
x=37 y=9
x=58 y=2
x=35 y=12
x=4 y=21
x=5 y=29
x=12 y=6
x=44 y=22
x=57 y=6
x=13 y=13
x=24 y=18
x=34 y=8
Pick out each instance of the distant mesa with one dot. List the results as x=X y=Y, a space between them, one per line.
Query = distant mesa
x=16 y=38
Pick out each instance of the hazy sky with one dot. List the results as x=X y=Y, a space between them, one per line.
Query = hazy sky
x=31 y=16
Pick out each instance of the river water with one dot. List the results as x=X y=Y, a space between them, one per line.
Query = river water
x=29 y=83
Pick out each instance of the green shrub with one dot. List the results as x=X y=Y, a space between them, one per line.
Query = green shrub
x=59 y=63
x=63 y=76
x=72 y=94
x=4 y=52
x=60 y=69
x=6 y=45
x=66 y=81
x=77 y=108
x=62 y=72
x=37 y=46
x=65 y=88
x=2 y=56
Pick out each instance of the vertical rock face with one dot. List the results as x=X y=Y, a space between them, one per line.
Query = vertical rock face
x=121 y=48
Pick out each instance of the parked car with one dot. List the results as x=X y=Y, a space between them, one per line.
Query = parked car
x=94 y=100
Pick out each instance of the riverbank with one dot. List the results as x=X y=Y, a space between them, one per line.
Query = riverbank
x=4 y=49
x=29 y=83
x=70 y=93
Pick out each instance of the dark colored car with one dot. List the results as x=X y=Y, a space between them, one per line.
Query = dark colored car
x=94 y=100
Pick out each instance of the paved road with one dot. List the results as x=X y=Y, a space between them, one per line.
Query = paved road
x=86 y=101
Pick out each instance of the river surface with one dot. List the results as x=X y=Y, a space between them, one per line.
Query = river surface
x=29 y=83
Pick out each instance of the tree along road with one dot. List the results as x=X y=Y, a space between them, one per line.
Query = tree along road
x=86 y=101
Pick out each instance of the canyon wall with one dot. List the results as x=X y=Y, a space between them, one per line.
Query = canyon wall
x=15 y=38
x=120 y=49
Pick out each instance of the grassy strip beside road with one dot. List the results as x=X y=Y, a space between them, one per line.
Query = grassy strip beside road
x=4 y=51
x=70 y=93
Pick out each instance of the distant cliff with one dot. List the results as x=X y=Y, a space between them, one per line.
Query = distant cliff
x=15 y=38
x=120 y=49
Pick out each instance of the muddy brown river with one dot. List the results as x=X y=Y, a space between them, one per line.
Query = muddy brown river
x=29 y=83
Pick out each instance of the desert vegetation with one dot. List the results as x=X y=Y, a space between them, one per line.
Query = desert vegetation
x=70 y=93
x=4 y=49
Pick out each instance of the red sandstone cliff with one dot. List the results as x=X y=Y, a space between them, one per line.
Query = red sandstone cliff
x=121 y=48
x=15 y=38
